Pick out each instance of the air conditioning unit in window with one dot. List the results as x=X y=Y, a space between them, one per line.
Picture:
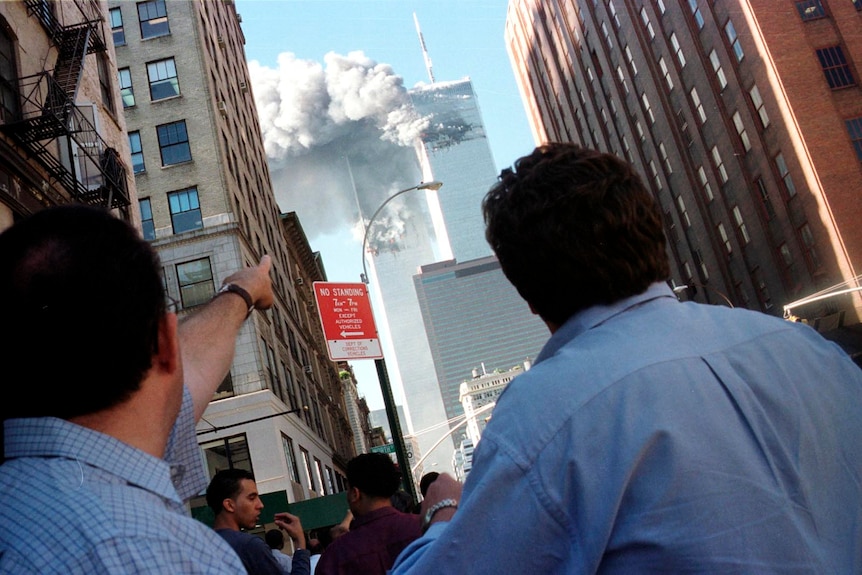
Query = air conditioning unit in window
x=221 y=41
x=222 y=108
x=299 y=281
x=243 y=87
x=306 y=368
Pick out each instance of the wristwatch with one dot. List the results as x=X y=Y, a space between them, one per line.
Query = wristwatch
x=429 y=515
x=241 y=292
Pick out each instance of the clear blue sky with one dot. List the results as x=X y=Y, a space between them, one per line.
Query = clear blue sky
x=464 y=38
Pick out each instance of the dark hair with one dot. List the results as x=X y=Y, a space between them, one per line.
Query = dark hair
x=402 y=501
x=574 y=227
x=426 y=481
x=374 y=474
x=225 y=484
x=274 y=538
x=83 y=285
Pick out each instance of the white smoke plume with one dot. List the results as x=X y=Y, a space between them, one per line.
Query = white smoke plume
x=338 y=136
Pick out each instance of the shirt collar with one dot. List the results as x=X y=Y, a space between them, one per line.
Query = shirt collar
x=54 y=437
x=598 y=314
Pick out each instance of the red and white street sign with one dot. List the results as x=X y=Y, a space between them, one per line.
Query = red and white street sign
x=347 y=320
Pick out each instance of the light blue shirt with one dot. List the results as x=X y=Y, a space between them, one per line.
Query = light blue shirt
x=74 y=501
x=659 y=436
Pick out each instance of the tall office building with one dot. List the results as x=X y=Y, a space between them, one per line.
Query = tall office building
x=438 y=226
x=476 y=322
x=207 y=206
x=62 y=132
x=745 y=119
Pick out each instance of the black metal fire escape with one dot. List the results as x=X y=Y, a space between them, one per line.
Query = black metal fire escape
x=52 y=128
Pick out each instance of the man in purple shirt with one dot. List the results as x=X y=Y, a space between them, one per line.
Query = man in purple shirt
x=378 y=531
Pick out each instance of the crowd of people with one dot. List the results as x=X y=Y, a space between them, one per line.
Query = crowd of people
x=650 y=435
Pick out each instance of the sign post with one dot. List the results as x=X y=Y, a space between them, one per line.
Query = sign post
x=348 y=326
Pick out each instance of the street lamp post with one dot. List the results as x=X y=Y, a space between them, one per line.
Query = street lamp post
x=380 y=364
x=433 y=185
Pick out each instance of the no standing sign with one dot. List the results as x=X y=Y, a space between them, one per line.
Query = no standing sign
x=347 y=320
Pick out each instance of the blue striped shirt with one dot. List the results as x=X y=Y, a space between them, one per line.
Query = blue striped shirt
x=76 y=501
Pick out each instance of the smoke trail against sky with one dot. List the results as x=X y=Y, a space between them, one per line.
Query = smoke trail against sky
x=332 y=127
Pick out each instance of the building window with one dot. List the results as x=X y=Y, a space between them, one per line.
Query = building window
x=154 y=19
x=740 y=226
x=719 y=165
x=105 y=85
x=290 y=458
x=137 y=152
x=148 y=227
x=117 y=29
x=163 y=79
x=695 y=11
x=704 y=183
x=719 y=72
x=763 y=195
x=174 y=143
x=784 y=172
x=647 y=23
x=835 y=67
x=854 y=128
x=654 y=171
x=8 y=79
x=810 y=9
x=227 y=453
x=309 y=474
x=786 y=256
x=622 y=78
x=185 y=210
x=733 y=38
x=607 y=36
x=631 y=60
x=683 y=213
x=808 y=244
x=660 y=5
x=664 y=158
x=695 y=100
x=613 y=10
x=665 y=72
x=647 y=108
x=677 y=49
x=196 y=282
x=740 y=129
x=127 y=93
x=318 y=474
x=724 y=239
x=757 y=101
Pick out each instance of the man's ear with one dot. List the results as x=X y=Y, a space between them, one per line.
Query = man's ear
x=228 y=505
x=167 y=359
x=353 y=494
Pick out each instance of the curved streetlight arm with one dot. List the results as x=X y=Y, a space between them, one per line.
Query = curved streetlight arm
x=433 y=185
x=682 y=288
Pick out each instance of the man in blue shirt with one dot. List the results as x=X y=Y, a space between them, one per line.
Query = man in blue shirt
x=650 y=435
x=234 y=499
x=99 y=439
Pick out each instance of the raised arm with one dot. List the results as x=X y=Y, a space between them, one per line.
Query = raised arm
x=208 y=336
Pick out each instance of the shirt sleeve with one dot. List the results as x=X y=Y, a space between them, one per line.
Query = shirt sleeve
x=183 y=453
x=301 y=562
x=502 y=502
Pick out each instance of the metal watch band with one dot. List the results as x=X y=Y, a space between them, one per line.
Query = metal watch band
x=442 y=504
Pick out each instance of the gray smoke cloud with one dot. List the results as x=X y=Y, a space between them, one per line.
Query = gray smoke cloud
x=338 y=136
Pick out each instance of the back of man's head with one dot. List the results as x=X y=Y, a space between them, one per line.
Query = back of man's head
x=226 y=484
x=83 y=284
x=274 y=538
x=374 y=474
x=573 y=228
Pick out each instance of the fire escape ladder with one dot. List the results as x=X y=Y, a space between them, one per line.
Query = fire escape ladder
x=72 y=43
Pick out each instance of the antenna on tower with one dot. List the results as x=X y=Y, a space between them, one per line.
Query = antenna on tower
x=424 y=49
